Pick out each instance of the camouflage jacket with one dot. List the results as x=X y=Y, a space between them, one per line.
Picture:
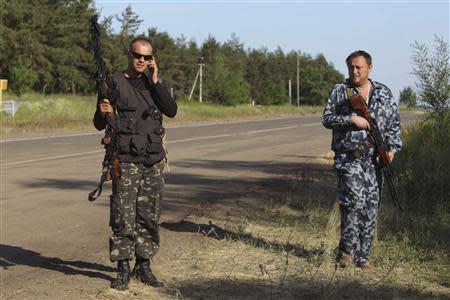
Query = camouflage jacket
x=384 y=112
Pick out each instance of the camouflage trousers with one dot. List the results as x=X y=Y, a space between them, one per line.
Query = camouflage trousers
x=359 y=190
x=135 y=210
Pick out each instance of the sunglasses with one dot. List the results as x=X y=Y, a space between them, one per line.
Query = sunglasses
x=138 y=56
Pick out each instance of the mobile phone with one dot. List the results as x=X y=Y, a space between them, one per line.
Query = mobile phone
x=150 y=71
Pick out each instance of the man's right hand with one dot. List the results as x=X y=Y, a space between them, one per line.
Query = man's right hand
x=360 y=122
x=105 y=107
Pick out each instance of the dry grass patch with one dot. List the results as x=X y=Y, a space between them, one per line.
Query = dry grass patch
x=283 y=247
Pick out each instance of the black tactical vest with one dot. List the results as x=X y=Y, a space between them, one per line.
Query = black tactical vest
x=140 y=125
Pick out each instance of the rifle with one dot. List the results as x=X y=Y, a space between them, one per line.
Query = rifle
x=358 y=103
x=106 y=90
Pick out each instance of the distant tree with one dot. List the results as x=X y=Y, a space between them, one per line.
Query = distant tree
x=50 y=39
x=67 y=44
x=22 y=78
x=256 y=72
x=164 y=48
x=209 y=49
x=408 y=96
x=130 y=22
x=317 y=78
x=187 y=55
x=433 y=73
x=268 y=76
x=224 y=85
x=273 y=93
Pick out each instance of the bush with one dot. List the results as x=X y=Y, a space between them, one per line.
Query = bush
x=433 y=74
x=408 y=97
x=22 y=79
x=423 y=176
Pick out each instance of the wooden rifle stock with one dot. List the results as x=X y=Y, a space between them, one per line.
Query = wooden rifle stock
x=358 y=103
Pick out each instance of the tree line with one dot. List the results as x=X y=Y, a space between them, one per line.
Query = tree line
x=45 y=47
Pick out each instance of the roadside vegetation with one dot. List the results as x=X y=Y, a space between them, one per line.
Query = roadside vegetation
x=423 y=176
x=39 y=113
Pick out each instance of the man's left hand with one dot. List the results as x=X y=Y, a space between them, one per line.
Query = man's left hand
x=153 y=70
x=390 y=156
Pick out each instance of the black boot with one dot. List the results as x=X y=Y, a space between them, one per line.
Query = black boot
x=144 y=274
x=123 y=275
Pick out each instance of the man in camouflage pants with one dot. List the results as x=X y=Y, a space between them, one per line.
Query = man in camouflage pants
x=137 y=191
x=356 y=161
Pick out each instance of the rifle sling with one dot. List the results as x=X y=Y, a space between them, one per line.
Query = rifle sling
x=349 y=92
x=98 y=191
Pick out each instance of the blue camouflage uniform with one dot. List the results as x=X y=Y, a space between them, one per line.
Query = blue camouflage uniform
x=356 y=163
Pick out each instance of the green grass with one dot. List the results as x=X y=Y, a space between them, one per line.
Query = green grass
x=194 y=111
x=411 y=249
x=423 y=176
x=43 y=113
x=39 y=113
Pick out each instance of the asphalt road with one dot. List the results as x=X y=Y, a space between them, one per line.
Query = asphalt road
x=54 y=242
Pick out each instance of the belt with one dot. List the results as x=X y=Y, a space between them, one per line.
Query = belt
x=366 y=149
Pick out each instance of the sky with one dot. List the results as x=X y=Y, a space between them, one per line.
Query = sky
x=385 y=29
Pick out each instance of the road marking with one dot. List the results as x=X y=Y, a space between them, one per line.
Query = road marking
x=229 y=135
x=49 y=137
x=175 y=126
x=268 y=130
x=50 y=158
x=170 y=142
x=199 y=138
x=310 y=125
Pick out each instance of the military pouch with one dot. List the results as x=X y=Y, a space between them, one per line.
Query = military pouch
x=138 y=145
x=124 y=105
x=127 y=125
x=155 y=151
x=124 y=144
x=154 y=145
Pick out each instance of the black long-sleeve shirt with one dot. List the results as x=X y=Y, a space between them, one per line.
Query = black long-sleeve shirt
x=165 y=103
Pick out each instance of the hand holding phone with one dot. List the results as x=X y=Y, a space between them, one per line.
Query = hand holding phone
x=153 y=70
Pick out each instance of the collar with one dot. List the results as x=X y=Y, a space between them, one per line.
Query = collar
x=127 y=76
x=374 y=90
x=375 y=85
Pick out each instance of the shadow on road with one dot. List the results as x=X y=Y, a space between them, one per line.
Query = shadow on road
x=214 y=231
x=254 y=180
x=15 y=255
x=64 y=184
x=270 y=167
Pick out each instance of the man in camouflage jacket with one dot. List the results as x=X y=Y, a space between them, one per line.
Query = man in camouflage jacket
x=356 y=161
x=137 y=192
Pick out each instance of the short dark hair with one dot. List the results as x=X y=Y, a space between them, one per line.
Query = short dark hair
x=359 y=53
x=141 y=39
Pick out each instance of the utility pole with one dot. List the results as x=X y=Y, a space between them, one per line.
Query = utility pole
x=199 y=74
x=298 y=79
x=290 y=91
x=201 y=80
x=193 y=86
